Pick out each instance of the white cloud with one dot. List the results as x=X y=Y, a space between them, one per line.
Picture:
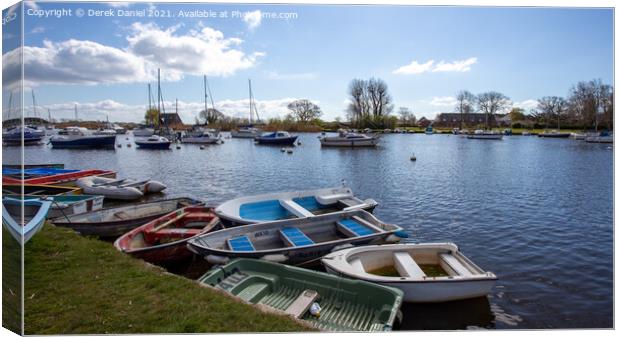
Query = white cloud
x=526 y=105
x=206 y=51
x=443 y=101
x=458 y=66
x=118 y=4
x=188 y=111
x=253 y=19
x=274 y=75
x=415 y=68
x=31 y=4
x=442 y=66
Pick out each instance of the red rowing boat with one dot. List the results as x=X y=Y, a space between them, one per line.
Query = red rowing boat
x=164 y=240
x=63 y=179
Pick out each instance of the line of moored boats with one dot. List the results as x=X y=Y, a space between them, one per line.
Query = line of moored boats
x=261 y=244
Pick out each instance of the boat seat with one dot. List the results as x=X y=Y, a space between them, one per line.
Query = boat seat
x=454 y=264
x=331 y=198
x=169 y=233
x=406 y=266
x=349 y=202
x=294 y=237
x=240 y=244
x=302 y=303
x=353 y=228
x=295 y=208
x=356 y=263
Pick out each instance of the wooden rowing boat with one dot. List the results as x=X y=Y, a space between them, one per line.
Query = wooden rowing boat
x=164 y=240
x=65 y=179
x=116 y=221
x=39 y=190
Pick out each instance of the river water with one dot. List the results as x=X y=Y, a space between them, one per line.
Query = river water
x=536 y=212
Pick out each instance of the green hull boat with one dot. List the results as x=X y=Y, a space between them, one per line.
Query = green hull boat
x=345 y=304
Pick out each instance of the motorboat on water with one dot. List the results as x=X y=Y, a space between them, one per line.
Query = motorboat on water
x=324 y=301
x=80 y=138
x=285 y=205
x=425 y=272
x=34 y=212
x=276 y=138
x=121 y=189
x=349 y=139
x=296 y=241
x=143 y=131
x=553 y=134
x=27 y=135
x=603 y=137
x=429 y=130
x=482 y=134
x=578 y=135
x=154 y=142
x=119 y=130
x=246 y=132
x=202 y=135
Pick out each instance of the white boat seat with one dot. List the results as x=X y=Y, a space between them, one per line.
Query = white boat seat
x=295 y=208
x=406 y=266
x=331 y=198
x=455 y=265
x=356 y=263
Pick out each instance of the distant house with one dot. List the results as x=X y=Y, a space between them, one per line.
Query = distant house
x=453 y=119
x=171 y=119
x=423 y=122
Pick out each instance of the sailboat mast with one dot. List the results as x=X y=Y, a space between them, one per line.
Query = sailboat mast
x=10 y=104
x=250 y=90
x=34 y=104
x=150 y=98
x=76 y=113
x=158 y=98
x=49 y=115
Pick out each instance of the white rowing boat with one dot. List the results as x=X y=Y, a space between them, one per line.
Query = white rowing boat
x=425 y=272
x=123 y=189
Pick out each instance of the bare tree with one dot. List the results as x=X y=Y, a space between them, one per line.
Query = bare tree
x=553 y=107
x=304 y=110
x=369 y=101
x=406 y=116
x=465 y=104
x=211 y=116
x=490 y=103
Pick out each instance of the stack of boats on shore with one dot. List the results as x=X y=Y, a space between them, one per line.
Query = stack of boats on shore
x=262 y=244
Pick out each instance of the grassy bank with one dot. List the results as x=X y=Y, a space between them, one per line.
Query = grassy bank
x=11 y=282
x=82 y=285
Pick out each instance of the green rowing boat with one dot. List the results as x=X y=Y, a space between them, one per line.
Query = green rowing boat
x=345 y=304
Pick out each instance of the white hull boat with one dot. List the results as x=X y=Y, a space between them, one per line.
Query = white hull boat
x=349 y=139
x=146 y=132
x=425 y=272
x=123 y=189
x=578 y=136
x=34 y=215
x=286 y=205
x=295 y=241
x=480 y=134
x=202 y=136
x=246 y=133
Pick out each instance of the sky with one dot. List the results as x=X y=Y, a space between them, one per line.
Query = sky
x=101 y=61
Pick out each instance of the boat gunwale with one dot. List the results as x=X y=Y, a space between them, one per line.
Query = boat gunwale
x=347 y=253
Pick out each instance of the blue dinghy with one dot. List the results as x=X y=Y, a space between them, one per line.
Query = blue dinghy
x=35 y=213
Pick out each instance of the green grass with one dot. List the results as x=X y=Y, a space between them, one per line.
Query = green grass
x=11 y=282
x=81 y=285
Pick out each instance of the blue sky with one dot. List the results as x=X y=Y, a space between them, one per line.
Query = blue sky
x=425 y=54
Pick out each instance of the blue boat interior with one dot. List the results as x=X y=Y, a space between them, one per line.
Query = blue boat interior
x=291 y=237
x=35 y=171
x=241 y=244
x=272 y=210
x=353 y=227
x=294 y=237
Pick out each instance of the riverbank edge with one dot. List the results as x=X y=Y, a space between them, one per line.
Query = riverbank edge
x=81 y=285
